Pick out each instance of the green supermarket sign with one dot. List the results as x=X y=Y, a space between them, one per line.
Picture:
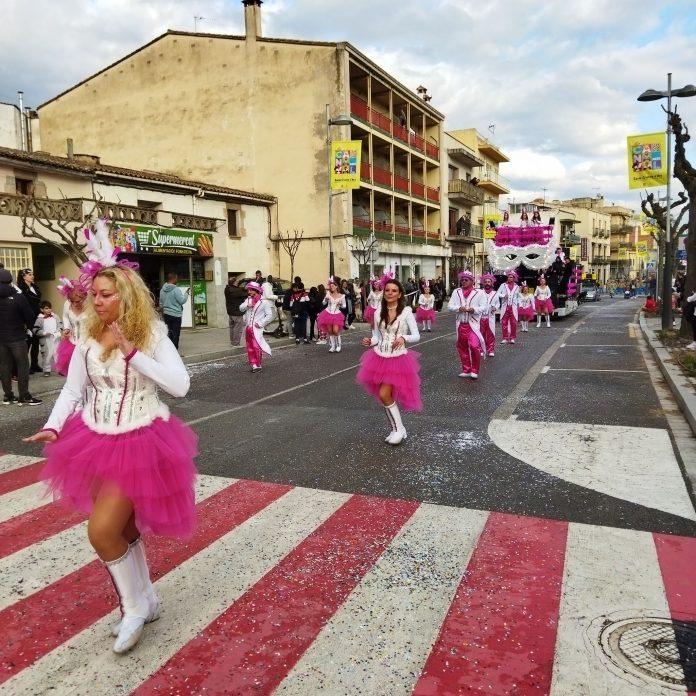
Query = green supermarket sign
x=153 y=239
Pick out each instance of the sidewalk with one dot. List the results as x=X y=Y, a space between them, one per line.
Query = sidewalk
x=682 y=387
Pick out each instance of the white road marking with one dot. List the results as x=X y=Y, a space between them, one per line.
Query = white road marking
x=590 y=369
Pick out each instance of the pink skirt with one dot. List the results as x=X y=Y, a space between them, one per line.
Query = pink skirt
x=64 y=352
x=526 y=313
x=425 y=314
x=151 y=466
x=544 y=305
x=325 y=321
x=402 y=372
x=369 y=314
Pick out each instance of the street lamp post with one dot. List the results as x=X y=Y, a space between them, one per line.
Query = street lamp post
x=341 y=120
x=653 y=95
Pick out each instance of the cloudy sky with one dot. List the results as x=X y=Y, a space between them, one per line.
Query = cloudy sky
x=553 y=84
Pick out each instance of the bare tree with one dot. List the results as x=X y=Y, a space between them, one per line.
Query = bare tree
x=58 y=223
x=363 y=249
x=291 y=244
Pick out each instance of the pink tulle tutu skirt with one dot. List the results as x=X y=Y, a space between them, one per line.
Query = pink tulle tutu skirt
x=64 y=352
x=369 y=315
x=425 y=314
x=402 y=372
x=151 y=466
x=325 y=321
x=544 y=304
x=526 y=313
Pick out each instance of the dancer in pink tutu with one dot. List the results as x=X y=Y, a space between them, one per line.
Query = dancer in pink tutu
x=509 y=297
x=469 y=304
x=330 y=320
x=374 y=301
x=488 y=317
x=543 y=301
x=525 y=307
x=113 y=449
x=257 y=314
x=389 y=371
x=73 y=314
x=426 y=308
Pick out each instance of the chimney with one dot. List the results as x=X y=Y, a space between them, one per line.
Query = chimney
x=71 y=151
x=252 y=18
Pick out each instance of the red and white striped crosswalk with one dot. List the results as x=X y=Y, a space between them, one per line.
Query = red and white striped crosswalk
x=293 y=591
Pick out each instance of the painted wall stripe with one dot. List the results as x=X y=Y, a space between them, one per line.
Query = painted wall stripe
x=252 y=645
x=500 y=632
x=34 y=626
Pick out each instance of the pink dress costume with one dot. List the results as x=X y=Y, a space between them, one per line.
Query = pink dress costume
x=374 y=302
x=471 y=345
x=382 y=364
x=542 y=299
x=525 y=308
x=114 y=433
x=487 y=323
x=509 y=296
x=73 y=323
x=256 y=311
x=426 y=309
x=332 y=315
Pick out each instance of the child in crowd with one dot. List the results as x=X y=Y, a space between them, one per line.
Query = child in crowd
x=48 y=329
x=426 y=308
x=73 y=318
x=526 y=306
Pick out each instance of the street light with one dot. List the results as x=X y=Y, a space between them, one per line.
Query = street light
x=341 y=120
x=654 y=95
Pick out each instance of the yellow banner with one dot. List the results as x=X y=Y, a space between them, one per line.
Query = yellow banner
x=642 y=249
x=647 y=160
x=623 y=255
x=648 y=225
x=345 y=164
x=490 y=222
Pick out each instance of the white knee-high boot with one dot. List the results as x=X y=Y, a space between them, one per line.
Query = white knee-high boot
x=538 y=320
x=332 y=347
x=153 y=602
x=392 y=423
x=338 y=343
x=428 y=325
x=134 y=605
x=548 y=320
x=399 y=434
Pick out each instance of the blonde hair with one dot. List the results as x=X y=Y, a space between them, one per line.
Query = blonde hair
x=136 y=312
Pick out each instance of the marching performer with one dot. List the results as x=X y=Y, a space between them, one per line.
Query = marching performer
x=525 y=309
x=330 y=321
x=374 y=301
x=470 y=304
x=488 y=317
x=257 y=314
x=73 y=315
x=508 y=297
x=543 y=302
x=426 y=308
x=389 y=371
x=113 y=449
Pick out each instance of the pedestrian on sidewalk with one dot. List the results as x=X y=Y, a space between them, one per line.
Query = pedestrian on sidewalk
x=32 y=293
x=508 y=298
x=172 y=300
x=113 y=450
x=16 y=319
x=234 y=296
x=469 y=304
x=75 y=293
x=389 y=371
x=543 y=304
x=487 y=322
x=257 y=314
x=331 y=320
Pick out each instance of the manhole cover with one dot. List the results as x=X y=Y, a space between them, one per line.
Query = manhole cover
x=657 y=648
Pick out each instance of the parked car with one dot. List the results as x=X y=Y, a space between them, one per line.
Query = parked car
x=589 y=292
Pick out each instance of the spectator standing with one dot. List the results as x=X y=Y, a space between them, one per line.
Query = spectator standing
x=48 y=329
x=234 y=296
x=299 y=311
x=16 y=318
x=25 y=283
x=348 y=290
x=316 y=300
x=172 y=300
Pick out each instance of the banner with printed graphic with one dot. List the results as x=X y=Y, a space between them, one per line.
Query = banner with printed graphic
x=491 y=222
x=642 y=249
x=153 y=239
x=647 y=160
x=345 y=164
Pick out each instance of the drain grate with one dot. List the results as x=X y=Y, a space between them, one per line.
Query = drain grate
x=658 y=648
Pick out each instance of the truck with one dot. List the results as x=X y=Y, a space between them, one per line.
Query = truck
x=530 y=248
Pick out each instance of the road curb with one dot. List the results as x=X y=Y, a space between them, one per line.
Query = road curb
x=678 y=383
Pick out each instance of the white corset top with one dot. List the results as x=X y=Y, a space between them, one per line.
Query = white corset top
x=387 y=336
x=374 y=299
x=333 y=305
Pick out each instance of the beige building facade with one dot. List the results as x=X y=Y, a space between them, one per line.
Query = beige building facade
x=256 y=113
x=166 y=224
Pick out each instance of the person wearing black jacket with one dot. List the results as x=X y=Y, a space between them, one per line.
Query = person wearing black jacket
x=314 y=307
x=234 y=296
x=25 y=283
x=16 y=319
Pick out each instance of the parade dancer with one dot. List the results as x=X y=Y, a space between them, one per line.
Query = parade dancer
x=330 y=321
x=257 y=314
x=469 y=304
x=113 y=449
x=488 y=317
x=525 y=307
x=389 y=371
x=426 y=308
x=374 y=301
x=542 y=301
x=508 y=297
x=73 y=315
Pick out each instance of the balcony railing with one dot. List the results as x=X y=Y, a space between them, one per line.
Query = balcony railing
x=432 y=151
x=400 y=183
x=398 y=233
x=358 y=107
x=459 y=188
x=418 y=189
x=365 y=171
x=381 y=176
x=466 y=232
x=381 y=121
x=63 y=209
x=432 y=194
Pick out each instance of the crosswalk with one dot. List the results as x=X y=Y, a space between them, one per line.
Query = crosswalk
x=299 y=592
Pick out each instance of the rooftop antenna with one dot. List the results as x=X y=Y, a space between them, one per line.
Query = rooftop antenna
x=196 y=19
x=491 y=128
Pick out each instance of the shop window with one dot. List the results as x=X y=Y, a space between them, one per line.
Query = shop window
x=15 y=258
x=232 y=222
x=44 y=268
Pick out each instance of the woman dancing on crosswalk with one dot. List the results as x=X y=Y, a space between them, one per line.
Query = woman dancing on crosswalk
x=113 y=449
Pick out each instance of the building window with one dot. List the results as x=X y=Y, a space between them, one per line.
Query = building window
x=24 y=187
x=232 y=222
x=15 y=258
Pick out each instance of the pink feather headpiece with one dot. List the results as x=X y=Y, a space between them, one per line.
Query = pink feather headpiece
x=331 y=281
x=386 y=277
x=66 y=286
x=100 y=252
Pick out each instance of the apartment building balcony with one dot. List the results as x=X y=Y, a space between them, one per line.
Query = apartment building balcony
x=432 y=194
x=461 y=190
x=491 y=151
x=363 y=227
x=465 y=233
x=466 y=156
x=492 y=182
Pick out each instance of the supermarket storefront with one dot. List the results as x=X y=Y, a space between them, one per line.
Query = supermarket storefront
x=164 y=250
